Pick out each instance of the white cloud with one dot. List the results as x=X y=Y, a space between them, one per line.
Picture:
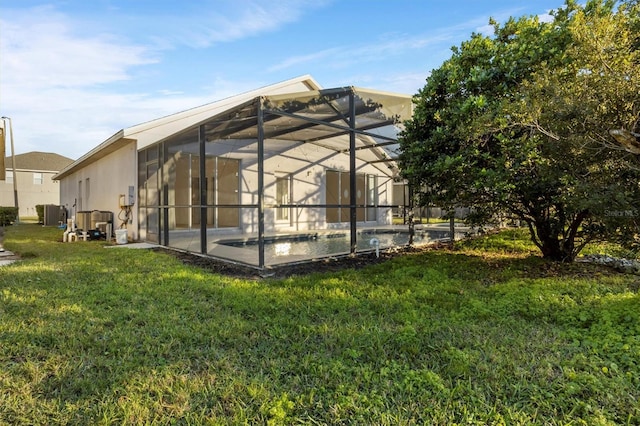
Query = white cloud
x=392 y=45
x=318 y=56
x=40 y=50
x=488 y=30
x=383 y=49
x=63 y=79
x=70 y=83
x=546 y=17
x=51 y=78
x=408 y=83
x=224 y=21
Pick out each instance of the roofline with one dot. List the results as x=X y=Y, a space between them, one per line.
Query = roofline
x=382 y=92
x=86 y=158
x=124 y=135
x=18 y=169
x=228 y=101
x=354 y=89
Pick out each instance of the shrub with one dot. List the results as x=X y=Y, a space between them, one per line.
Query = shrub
x=40 y=212
x=8 y=215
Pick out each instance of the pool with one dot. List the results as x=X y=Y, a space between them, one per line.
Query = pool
x=317 y=245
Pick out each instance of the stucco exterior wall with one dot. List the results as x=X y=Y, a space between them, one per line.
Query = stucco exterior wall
x=98 y=186
x=308 y=167
x=30 y=193
x=305 y=165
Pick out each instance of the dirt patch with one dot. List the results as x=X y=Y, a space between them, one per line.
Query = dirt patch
x=332 y=264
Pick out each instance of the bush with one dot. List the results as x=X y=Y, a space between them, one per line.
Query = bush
x=8 y=215
x=40 y=212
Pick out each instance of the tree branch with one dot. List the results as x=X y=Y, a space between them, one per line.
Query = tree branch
x=532 y=232
x=576 y=224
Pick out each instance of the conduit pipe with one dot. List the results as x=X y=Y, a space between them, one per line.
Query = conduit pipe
x=375 y=243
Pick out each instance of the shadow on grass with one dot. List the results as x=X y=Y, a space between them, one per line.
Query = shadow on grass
x=434 y=337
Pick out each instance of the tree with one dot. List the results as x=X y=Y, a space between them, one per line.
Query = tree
x=519 y=123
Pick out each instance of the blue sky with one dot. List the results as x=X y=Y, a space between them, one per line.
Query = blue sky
x=74 y=72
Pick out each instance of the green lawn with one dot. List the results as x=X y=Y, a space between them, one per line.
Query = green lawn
x=486 y=334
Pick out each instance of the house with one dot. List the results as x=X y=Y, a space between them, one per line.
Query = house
x=252 y=177
x=34 y=184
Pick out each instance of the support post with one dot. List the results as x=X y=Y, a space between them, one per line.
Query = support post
x=164 y=201
x=203 y=189
x=352 y=171
x=15 y=171
x=261 y=261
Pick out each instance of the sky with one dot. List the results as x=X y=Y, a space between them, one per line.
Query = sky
x=74 y=72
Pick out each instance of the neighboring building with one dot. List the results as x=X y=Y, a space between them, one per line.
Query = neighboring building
x=34 y=172
x=290 y=161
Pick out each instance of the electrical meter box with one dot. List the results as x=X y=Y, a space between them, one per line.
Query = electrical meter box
x=128 y=199
x=131 y=196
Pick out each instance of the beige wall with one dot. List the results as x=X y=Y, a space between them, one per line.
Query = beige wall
x=308 y=167
x=30 y=193
x=113 y=174
x=107 y=179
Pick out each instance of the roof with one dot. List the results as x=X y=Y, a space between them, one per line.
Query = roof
x=155 y=130
x=38 y=161
x=295 y=111
x=317 y=117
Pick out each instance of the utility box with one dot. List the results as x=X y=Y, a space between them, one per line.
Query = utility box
x=83 y=220
x=54 y=215
x=99 y=218
x=131 y=196
x=128 y=199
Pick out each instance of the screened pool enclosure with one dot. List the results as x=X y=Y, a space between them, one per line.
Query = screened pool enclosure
x=278 y=179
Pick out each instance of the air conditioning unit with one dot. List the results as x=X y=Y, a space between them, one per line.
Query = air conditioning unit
x=83 y=220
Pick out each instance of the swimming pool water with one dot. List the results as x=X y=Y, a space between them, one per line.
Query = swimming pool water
x=318 y=245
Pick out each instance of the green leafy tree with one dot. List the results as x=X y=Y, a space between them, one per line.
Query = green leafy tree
x=521 y=123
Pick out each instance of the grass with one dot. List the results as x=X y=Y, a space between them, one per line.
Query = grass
x=486 y=334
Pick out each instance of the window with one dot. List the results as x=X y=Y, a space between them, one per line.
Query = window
x=9 y=177
x=334 y=197
x=38 y=178
x=338 y=192
x=283 y=196
x=221 y=185
x=372 y=197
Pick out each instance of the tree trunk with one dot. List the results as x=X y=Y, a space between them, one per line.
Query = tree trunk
x=556 y=242
x=452 y=229
x=554 y=247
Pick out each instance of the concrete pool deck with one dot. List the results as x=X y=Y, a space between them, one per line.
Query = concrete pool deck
x=230 y=248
